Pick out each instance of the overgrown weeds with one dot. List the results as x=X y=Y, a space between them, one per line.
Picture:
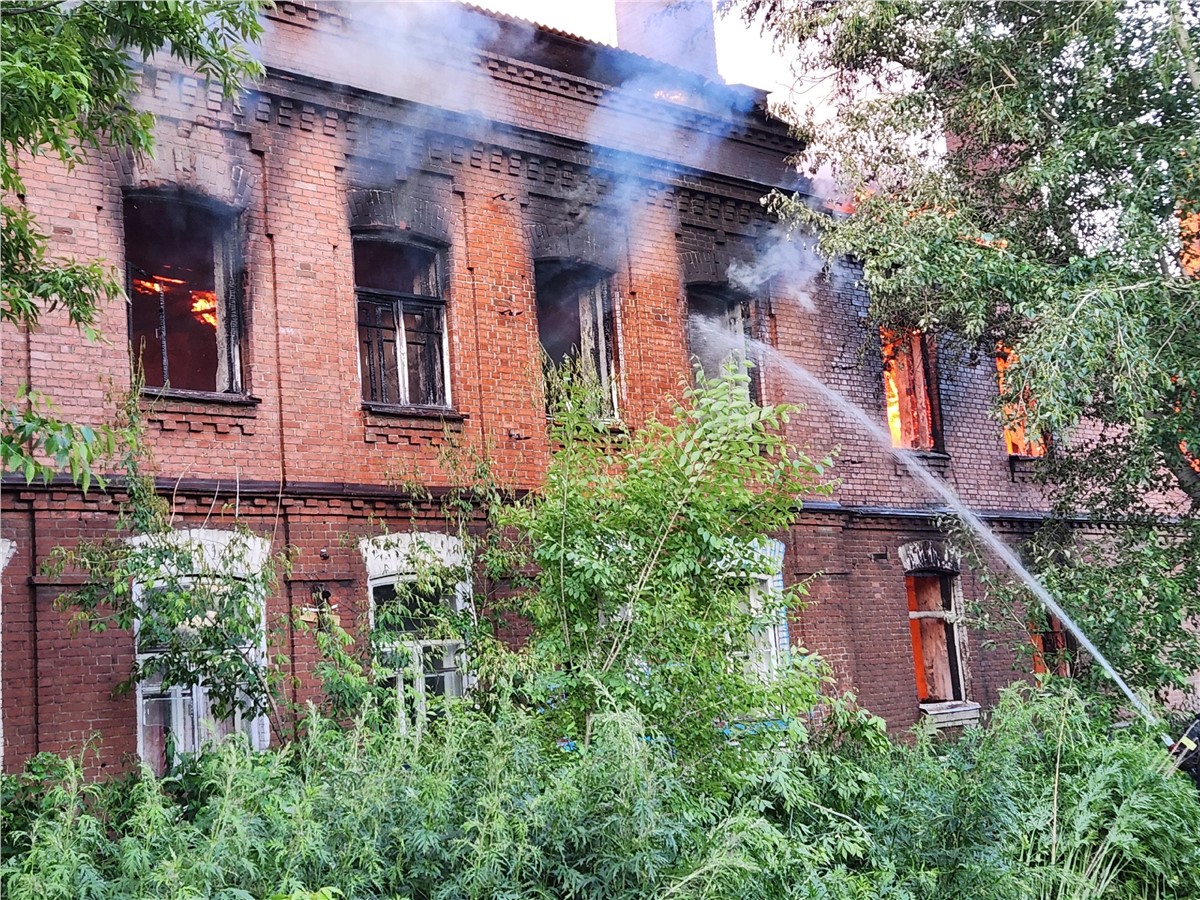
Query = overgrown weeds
x=1047 y=801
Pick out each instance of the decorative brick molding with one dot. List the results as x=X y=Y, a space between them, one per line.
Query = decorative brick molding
x=929 y=556
x=211 y=163
x=563 y=241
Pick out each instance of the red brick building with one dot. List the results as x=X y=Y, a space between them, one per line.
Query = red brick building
x=373 y=248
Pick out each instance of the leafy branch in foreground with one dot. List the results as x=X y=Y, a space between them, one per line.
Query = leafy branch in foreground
x=650 y=553
x=1025 y=173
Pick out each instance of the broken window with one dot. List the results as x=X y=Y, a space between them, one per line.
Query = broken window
x=718 y=329
x=577 y=329
x=1016 y=437
x=401 y=331
x=932 y=618
x=1053 y=647
x=910 y=390
x=184 y=286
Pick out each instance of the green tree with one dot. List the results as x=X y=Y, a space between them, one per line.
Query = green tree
x=648 y=549
x=1026 y=175
x=69 y=76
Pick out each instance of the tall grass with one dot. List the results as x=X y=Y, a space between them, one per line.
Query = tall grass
x=1045 y=802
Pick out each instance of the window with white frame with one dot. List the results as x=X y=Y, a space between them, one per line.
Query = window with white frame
x=200 y=567
x=772 y=641
x=418 y=588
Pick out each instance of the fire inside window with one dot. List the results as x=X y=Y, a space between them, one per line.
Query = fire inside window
x=1016 y=437
x=1053 y=647
x=183 y=295
x=910 y=389
x=718 y=330
x=400 y=324
x=932 y=617
x=577 y=328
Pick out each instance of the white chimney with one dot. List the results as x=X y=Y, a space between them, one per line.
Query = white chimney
x=679 y=32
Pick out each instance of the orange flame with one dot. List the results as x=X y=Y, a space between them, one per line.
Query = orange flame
x=204 y=307
x=891 y=390
x=1015 y=436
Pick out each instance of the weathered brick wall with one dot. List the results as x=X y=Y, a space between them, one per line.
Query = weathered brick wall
x=516 y=146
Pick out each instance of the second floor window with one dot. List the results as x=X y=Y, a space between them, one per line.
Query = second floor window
x=577 y=331
x=184 y=285
x=718 y=331
x=1017 y=438
x=401 y=324
x=910 y=390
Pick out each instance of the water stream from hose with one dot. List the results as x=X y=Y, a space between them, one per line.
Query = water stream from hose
x=838 y=402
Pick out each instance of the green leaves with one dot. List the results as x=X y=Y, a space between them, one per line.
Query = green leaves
x=68 y=71
x=644 y=548
x=1021 y=170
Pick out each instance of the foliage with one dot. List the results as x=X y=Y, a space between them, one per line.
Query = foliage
x=1024 y=174
x=1021 y=171
x=195 y=605
x=69 y=78
x=646 y=548
x=1046 y=802
x=1129 y=589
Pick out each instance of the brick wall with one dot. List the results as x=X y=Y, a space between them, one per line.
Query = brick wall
x=538 y=140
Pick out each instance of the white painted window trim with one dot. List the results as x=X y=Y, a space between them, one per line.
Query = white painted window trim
x=394 y=558
x=210 y=548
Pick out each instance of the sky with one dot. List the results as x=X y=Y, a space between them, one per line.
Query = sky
x=744 y=56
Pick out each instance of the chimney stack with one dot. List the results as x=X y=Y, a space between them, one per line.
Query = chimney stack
x=678 y=32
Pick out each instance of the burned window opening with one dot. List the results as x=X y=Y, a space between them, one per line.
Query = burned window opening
x=577 y=330
x=401 y=324
x=933 y=617
x=911 y=389
x=183 y=278
x=1053 y=647
x=721 y=309
x=1017 y=439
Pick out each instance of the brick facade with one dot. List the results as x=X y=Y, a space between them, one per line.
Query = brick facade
x=498 y=144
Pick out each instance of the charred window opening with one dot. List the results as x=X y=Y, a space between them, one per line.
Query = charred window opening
x=718 y=331
x=910 y=390
x=184 y=288
x=401 y=331
x=932 y=618
x=1053 y=647
x=1016 y=436
x=577 y=329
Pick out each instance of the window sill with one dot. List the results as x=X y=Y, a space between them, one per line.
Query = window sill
x=198 y=397
x=951 y=714
x=936 y=461
x=393 y=411
x=1023 y=468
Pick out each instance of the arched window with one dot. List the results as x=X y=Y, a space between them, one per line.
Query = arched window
x=935 y=610
x=201 y=571
x=577 y=326
x=184 y=281
x=401 y=323
x=418 y=585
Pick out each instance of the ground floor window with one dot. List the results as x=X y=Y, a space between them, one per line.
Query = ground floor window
x=419 y=593
x=206 y=578
x=933 y=617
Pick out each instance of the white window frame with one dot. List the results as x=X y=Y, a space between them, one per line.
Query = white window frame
x=210 y=549
x=394 y=559
x=772 y=643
